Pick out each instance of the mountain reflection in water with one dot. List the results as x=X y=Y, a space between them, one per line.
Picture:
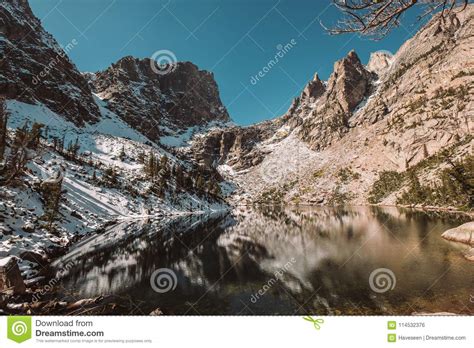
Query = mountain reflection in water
x=274 y=260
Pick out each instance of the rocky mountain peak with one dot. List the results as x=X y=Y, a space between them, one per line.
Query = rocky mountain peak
x=155 y=103
x=315 y=88
x=379 y=62
x=349 y=82
x=15 y=6
x=34 y=68
x=352 y=57
x=321 y=114
x=132 y=67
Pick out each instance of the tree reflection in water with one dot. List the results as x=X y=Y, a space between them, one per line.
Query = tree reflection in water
x=222 y=261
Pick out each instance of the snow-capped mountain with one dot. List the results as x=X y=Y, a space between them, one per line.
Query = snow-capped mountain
x=95 y=139
x=160 y=104
x=34 y=68
x=129 y=142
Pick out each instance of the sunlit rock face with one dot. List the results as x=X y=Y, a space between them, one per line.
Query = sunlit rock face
x=380 y=62
x=388 y=115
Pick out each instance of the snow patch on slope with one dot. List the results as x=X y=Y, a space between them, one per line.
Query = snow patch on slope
x=86 y=205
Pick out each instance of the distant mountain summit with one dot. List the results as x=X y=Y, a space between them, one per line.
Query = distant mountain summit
x=324 y=116
x=399 y=114
x=34 y=68
x=155 y=103
x=380 y=62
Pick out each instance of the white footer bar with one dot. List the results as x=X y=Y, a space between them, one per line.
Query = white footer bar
x=242 y=331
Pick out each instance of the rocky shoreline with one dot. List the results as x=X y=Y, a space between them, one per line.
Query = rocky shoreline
x=463 y=234
x=36 y=295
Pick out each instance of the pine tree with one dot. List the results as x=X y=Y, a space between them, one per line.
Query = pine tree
x=110 y=177
x=141 y=157
x=151 y=167
x=77 y=148
x=216 y=189
x=122 y=153
x=199 y=183
x=179 y=177
x=60 y=148
x=3 y=128
x=35 y=135
x=18 y=156
x=73 y=148
x=21 y=136
x=164 y=167
x=55 y=143
x=51 y=192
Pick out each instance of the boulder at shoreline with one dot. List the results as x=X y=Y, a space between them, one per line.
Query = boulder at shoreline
x=461 y=234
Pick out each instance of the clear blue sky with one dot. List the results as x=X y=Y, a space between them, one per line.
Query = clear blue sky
x=234 y=39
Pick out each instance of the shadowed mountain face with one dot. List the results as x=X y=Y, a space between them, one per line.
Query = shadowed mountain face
x=309 y=260
x=34 y=68
x=156 y=103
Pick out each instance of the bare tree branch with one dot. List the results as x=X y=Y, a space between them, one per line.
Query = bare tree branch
x=377 y=18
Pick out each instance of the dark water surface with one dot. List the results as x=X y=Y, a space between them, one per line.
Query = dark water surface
x=279 y=261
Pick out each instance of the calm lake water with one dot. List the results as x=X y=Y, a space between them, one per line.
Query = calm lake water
x=279 y=261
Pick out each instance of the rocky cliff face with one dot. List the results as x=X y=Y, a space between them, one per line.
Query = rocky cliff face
x=394 y=114
x=234 y=146
x=337 y=137
x=380 y=62
x=33 y=67
x=156 y=103
x=324 y=111
x=425 y=97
